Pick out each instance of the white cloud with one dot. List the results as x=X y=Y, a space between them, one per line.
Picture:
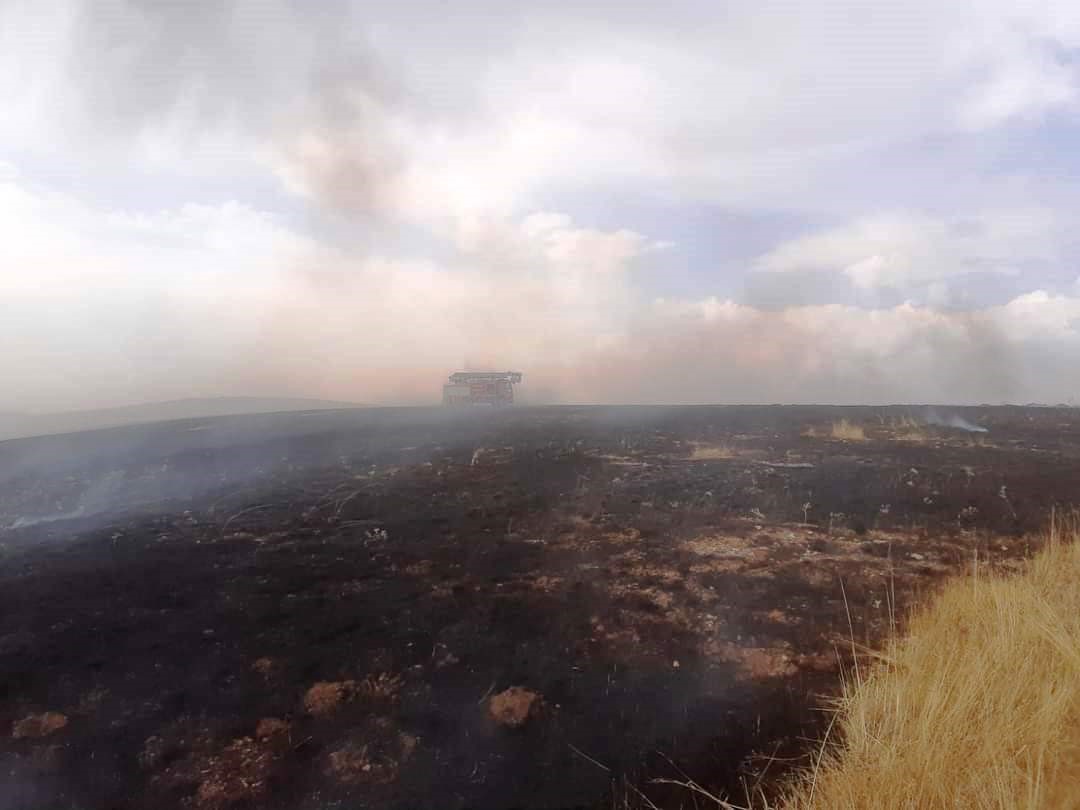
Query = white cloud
x=54 y=241
x=1019 y=91
x=1015 y=65
x=1040 y=316
x=901 y=250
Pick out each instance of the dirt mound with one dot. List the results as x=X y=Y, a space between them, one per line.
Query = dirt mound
x=324 y=697
x=514 y=707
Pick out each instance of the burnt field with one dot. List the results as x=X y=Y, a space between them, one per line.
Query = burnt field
x=327 y=610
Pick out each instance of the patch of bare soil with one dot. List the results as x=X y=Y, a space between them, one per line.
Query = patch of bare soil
x=335 y=610
x=755 y=662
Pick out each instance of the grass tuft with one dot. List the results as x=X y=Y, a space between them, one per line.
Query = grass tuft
x=848 y=431
x=978 y=706
x=711 y=452
x=915 y=436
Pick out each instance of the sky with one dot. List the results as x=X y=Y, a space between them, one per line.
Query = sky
x=850 y=202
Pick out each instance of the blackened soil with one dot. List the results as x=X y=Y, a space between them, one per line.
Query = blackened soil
x=676 y=583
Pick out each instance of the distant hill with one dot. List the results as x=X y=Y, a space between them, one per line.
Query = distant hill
x=19 y=425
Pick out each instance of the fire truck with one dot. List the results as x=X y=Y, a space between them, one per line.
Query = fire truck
x=481 y=388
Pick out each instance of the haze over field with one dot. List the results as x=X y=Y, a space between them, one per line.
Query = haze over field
x=834 y=202
x=16 y=425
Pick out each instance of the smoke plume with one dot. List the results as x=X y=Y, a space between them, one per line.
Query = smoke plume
x=349 y=202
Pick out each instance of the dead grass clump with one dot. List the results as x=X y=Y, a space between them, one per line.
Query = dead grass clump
x=645 y=597
x=906 y=429
x=778 y=616
x=545 y=584
x=353 y=764
x=383 y=686
x=847 y=431
x=324 y=697
x=630 y=535
x=645 y=571
x=979 y=706
x=237 y=774
x=725 y=546
x=270 y=728
x=711 y=452
x=717 y=565
x=377 y=762
x=39 y=725
x=514 y=706
x=914 y=436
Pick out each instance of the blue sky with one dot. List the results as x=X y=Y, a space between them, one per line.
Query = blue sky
x=839 y=201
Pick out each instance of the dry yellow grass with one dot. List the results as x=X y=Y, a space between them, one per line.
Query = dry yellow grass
x=848 y=431
x=906 y=429
x=711 y=452
x=906 y=423
x=977 y=707
x=917 y=436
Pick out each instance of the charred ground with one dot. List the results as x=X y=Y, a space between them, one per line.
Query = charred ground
x=315 y=610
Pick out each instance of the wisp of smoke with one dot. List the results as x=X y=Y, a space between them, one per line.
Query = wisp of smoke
x=952 y=420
